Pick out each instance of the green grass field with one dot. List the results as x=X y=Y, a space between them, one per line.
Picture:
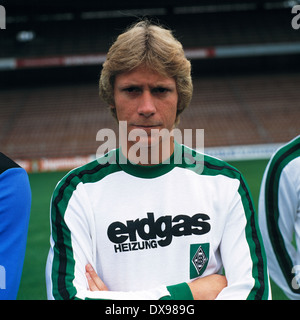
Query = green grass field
x=42 y=184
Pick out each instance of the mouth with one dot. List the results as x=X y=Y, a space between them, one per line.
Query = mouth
x=146 y=126
x=148 y=129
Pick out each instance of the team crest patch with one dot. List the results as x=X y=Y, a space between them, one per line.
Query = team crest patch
x=199 y=256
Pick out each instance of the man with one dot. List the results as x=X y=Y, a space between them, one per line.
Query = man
x=15 y=203
x=124 y=228
x=279 y=217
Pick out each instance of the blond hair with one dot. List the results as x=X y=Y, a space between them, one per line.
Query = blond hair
x=155 y=47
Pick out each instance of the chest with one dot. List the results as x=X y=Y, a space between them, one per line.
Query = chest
x=145 y=227
x=179 y=204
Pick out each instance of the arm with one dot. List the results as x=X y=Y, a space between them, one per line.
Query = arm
x=15 y=202
x=279 y=217
x=242 y=251
x=206 y=288
x=72 y=247
x=288 y=255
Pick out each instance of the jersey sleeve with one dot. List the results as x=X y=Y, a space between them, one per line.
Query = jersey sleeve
x=279 y=216
x=72 y=247
x=242 y=251
x=15 y=203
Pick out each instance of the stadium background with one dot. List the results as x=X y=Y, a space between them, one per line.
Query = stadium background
x=245 y=58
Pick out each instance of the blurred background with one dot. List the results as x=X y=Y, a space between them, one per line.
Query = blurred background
x=246 y=73
x=245 y=57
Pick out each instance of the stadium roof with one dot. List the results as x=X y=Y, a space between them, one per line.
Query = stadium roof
x=33 y=7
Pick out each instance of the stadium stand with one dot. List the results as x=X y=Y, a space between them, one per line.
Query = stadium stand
x=55 y=111
x=245 y=109
x=95 y=35
x=63 y=121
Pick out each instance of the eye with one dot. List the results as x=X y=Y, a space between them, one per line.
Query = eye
x=160 y=90
x=132 y=89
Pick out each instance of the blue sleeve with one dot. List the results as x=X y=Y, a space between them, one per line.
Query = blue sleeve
x=15 y=203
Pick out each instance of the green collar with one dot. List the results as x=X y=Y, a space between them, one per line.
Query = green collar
x=149 y=172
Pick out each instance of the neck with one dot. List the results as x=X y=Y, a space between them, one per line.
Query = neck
x=149 y=155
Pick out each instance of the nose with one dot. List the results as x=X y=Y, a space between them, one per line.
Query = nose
x=146 y=105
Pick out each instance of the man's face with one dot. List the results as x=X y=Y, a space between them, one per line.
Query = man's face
x=146 y=100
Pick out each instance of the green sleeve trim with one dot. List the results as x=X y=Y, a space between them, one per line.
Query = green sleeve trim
x=179 y=291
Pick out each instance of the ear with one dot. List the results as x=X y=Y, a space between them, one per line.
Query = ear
x=113 y=111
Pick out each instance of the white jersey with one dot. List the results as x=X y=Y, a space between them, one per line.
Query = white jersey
x=148 y=230
x=279 y=217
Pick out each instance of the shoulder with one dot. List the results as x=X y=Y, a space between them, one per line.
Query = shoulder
x=221 y=175
x=6 y=163
x=12 y=173
x=287 y=152
x=205 y=164
x=91 y=172
x=15 y=192
x=283 y=157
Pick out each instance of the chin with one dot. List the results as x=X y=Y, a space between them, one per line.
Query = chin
x=149 y=142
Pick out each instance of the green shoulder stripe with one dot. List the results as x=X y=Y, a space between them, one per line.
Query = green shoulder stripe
x=284 y=156
x=213 y=167
x=63 y=260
